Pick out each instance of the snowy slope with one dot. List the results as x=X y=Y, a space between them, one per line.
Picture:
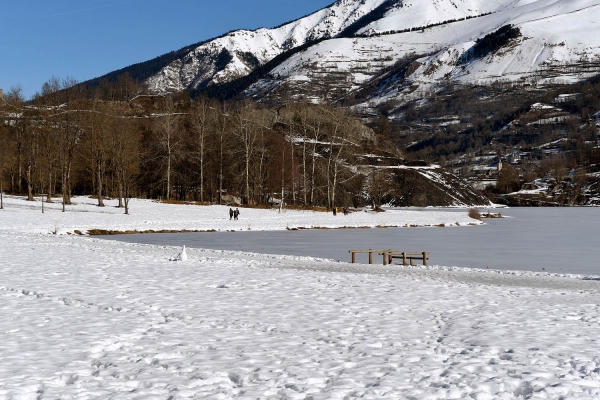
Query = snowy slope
x=412 y=14
x=200 y=67
x=556 y=35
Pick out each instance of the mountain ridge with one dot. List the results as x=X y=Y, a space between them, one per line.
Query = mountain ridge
x=353 y=41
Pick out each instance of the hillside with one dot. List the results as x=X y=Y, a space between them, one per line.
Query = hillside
x=180 y=149
x=356 y=42
x=237 y=53
x=558 y=41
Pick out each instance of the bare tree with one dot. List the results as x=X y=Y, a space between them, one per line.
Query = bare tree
x=169 y=140
x=127 y=158
x=6 y=154
x=222 y=136
x=15 y=108
x=247 y=130
x=50 y=151
x=337 y=143
x=124 y=149
x=202 y=116
x=303 y=127
x=315 y=127
x=48 y=106
x=379 y=185
x=97 y=126
x=68 y=120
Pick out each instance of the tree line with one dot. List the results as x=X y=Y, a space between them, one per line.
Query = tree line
x=107 y=141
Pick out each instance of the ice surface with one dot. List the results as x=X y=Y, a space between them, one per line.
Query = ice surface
x=555 y=239
x=89 y=318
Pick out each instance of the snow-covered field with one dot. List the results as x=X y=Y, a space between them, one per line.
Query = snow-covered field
x=144 y=215
x=87 y=318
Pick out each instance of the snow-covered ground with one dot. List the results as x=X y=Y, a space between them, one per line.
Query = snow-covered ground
x=87 y=318
x=145 y=215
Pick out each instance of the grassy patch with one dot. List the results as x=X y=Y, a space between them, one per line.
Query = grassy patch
x=474 y=213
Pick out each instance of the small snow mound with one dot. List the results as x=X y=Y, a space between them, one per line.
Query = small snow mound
x=181 y=256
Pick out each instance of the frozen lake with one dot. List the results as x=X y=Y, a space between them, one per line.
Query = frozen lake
x=552 y=239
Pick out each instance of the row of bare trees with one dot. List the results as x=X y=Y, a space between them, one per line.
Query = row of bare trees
x=109 y=143
x=65 y=142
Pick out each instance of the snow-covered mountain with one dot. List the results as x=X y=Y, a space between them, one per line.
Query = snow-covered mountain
x=559 y=41
x=237 y=53
x=401 y=48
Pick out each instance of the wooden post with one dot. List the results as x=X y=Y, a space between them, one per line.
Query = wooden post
x=424 y=258
x=353 y=257
x=390 y=258
x=403 y=258
x=370 y=256
x=385 y=258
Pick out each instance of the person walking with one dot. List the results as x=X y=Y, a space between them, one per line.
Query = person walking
x=236 y=214
x=230 y=213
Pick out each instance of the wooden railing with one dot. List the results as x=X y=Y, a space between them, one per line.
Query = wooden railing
x=407 y=257
x=370 y=251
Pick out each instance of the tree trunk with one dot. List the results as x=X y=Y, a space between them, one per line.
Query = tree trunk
x=126 y=194
x=312 y=175
x=49 y=197
x=126 y=200
x=169 y=174
x=335 y=173
x=68 y=182
x=260 y=175
x=329 y=203
x=120 y=191
x=304 y=168
x=247 y=176
x=293 y=179
x=202 y=172
x=20 y=170
x=99 y=183
x=64 y=188
x=282 y=179
x=220 y=171
x=28 y=178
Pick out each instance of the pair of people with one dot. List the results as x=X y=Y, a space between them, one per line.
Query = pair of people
x=234 y=214
x=335 y=210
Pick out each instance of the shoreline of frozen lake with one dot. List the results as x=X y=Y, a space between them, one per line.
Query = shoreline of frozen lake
x=552 y=239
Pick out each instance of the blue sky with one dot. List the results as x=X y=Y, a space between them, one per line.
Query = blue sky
x=84 y=39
